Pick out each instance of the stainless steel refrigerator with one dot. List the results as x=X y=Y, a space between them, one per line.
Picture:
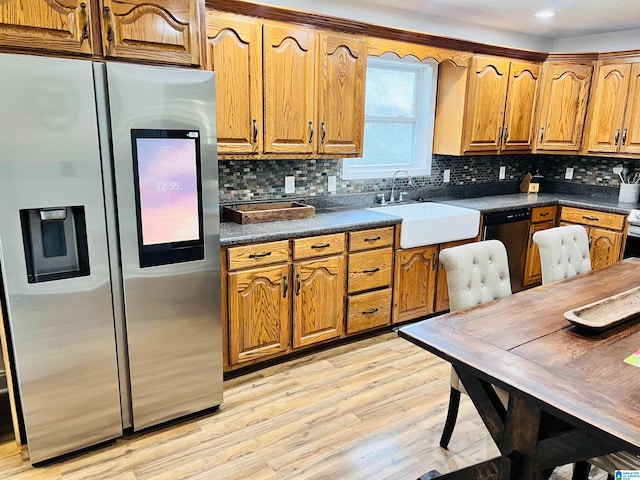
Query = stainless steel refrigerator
x=109 y=246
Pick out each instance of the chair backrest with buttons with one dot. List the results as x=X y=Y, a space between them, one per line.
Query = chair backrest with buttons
x=476 y=273
x=564 y=252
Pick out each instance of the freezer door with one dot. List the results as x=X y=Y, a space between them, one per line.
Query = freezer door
x=61 y=324
x=167 y=201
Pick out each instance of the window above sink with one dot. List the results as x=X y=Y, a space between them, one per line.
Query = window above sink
x=399 y=115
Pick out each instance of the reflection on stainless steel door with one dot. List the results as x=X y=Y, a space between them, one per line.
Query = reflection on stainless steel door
x=172 y=311
x=62 y=329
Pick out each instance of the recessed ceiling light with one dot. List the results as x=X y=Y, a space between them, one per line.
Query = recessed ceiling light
x=545 y=14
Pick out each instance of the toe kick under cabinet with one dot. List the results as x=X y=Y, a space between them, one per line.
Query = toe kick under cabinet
x=286 y=295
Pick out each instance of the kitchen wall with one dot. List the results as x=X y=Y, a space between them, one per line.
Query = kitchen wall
x=254 y=181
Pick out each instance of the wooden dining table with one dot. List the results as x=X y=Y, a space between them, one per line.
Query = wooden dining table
x=571 y=394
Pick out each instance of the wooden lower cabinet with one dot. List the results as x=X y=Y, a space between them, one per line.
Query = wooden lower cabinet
x=368 y=310
x=414 y=283
x=605 y=247
x=319 y=300
x=259 y=313
x=605 y=231
x=532 y=267
x=442 y=289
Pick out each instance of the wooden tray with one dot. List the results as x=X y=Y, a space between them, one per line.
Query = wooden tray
x=268 y=212
x=607 y=312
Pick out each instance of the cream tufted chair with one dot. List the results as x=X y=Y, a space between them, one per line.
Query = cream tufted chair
x=476 y=273
x=564 y=252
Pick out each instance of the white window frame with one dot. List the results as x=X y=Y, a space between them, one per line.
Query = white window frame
x=425 y=108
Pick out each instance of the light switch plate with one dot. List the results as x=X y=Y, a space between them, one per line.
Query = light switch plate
x=446 y=176
x=331 y=183
x=503 y=173
x=568 y=174
x=290 y=184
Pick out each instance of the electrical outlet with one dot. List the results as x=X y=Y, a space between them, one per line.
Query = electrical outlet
x=503 y=173
x=290 y=184
x=446 y=176
x=568 y=173
x=331 y=183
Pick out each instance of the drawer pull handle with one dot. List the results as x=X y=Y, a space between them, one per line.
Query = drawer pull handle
x=545 y=214
x=372 y=239
x=286 y=287
x=255 y=130
x=624 y=137
x=310 y=132
x=325 y=245
x=370 y=312
x=373 y=270
x=594 y=219
x=259 y=255
x=299 y=284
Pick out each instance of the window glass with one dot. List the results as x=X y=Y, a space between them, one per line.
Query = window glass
x=399 y=115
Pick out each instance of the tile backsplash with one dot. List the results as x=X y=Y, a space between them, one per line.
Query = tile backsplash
x=263 y=180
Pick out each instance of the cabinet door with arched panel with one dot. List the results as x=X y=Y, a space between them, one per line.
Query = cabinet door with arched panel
x=165 y=31
x=234 y=53
x=61 y=26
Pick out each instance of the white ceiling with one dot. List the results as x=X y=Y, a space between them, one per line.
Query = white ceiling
x=575 y=17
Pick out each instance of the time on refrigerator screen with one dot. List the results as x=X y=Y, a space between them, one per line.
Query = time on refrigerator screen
x=168 y=188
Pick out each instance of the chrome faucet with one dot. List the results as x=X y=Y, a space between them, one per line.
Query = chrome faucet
x=393 y=186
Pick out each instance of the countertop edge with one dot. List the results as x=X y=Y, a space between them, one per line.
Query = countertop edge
x=360 y=218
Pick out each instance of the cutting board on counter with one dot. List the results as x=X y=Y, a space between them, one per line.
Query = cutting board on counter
x=267 y=212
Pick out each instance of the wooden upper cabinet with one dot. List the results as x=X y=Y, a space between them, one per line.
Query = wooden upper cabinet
x=614 y=109
x=234 y=53
x=485 y=108
x=563 y=103
x=520 y=107
x=165 y=31
x=488 y=82
x=62 y=26
x=289 y=86
x=341 y=85
x=630 y=142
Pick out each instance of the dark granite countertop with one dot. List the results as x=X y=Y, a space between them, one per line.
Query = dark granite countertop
x=519 y=200
x=332 y=220
x=325 y=221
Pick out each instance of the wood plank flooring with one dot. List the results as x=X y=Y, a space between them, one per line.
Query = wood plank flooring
x=373 y=410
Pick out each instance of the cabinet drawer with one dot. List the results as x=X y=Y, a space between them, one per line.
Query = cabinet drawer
x=318 y=246
x=367 y=239
x=369 y=270
x=543 y=214
x=594 y=218
x=258 y=254
x=369 y=310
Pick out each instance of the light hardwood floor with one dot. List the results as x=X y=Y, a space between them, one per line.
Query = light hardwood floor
x=372 y=409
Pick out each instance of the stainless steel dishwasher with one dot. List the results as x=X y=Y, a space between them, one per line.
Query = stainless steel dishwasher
x=511 y=228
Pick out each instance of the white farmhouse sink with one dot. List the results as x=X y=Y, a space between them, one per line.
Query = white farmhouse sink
x=429 y=223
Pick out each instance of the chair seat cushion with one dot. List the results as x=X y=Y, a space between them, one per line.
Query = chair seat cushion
x=457 y=384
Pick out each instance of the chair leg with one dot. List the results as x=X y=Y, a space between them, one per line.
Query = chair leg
x=452 y=416
x=581 y=470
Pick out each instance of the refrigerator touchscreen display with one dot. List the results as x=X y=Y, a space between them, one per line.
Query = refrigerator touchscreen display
x=166 y=168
